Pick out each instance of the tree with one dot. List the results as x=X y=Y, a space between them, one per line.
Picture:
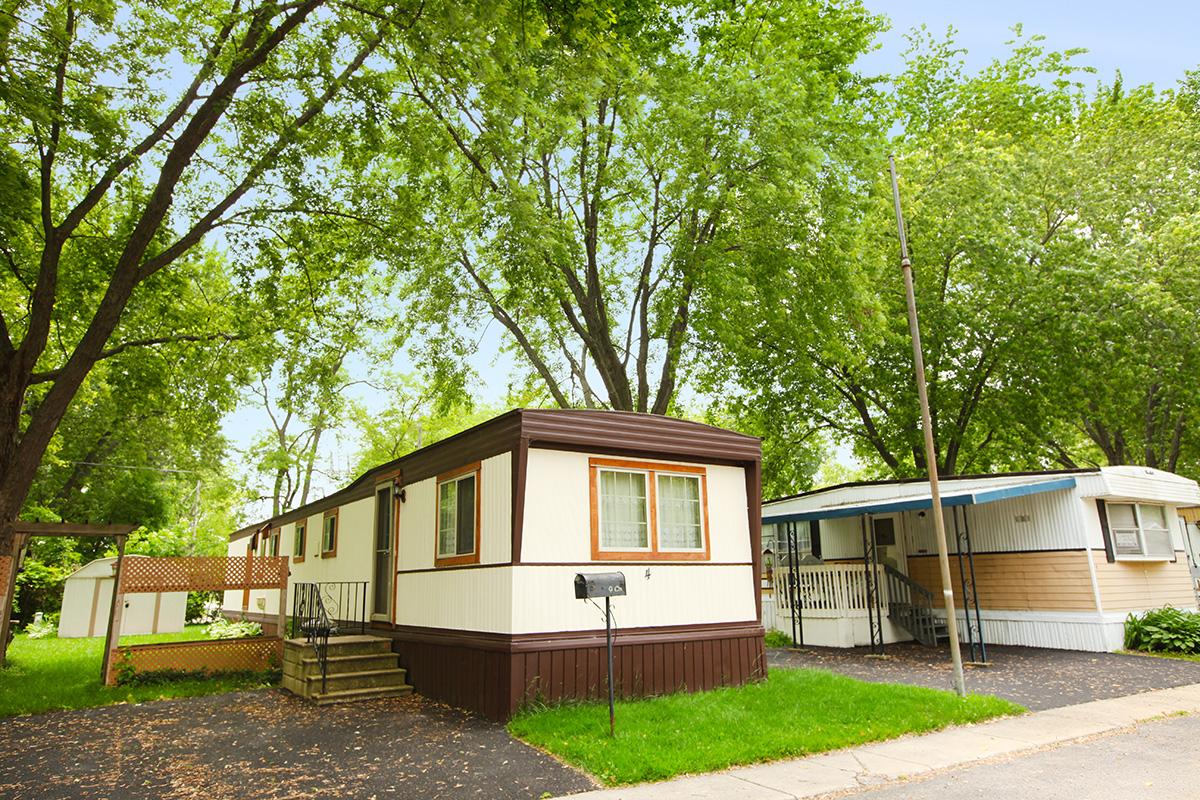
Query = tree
x=115 y=168
x=986 y=197
x=605 y=172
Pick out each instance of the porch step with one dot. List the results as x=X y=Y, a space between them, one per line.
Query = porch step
x=337 y=665
x=357 y=667
x=350 y=695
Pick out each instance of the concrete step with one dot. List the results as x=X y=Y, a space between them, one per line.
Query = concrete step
x=298 y=649
x=350 y=695
x=367 y=679
x=338 y=665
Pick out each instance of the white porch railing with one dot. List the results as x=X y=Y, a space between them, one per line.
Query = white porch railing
x=829 y=590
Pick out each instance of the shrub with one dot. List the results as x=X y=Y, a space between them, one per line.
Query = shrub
x=776 y=638
x=1166 y=629
x=44 y=626
x=228 y=629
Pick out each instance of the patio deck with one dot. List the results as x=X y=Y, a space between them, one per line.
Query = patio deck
x=1037 y=678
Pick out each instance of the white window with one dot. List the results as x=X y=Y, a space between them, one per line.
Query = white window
x=680 y=523
x=1139 y=531
x=624 y=510
x=456 y=517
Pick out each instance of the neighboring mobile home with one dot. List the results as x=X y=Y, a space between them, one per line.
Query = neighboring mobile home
x=1049 y=559
x=464 y=553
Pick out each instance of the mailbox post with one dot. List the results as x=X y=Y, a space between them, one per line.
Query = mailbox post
x=607 y=585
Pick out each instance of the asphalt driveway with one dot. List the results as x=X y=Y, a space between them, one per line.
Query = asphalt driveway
x=1037 y=678
x=270 y=744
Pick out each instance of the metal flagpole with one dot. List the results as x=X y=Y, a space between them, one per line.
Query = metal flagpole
x=930 y=452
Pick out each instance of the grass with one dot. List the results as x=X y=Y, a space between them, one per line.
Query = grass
x=50 y=674
x=793 y=713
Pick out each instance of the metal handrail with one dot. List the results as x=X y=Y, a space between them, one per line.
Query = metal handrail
x=911 y=604
x=324 y=609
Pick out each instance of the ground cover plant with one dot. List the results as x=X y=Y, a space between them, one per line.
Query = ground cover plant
x=793 y=713
x=52 y=673
x=776 y=638
x=1163 y=630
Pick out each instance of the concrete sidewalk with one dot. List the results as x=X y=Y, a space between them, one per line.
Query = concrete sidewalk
x=875 y=764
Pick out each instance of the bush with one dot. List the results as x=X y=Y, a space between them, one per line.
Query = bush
x=44 y=626
x=228 y=629
x=776 y=638
x=1165 y=630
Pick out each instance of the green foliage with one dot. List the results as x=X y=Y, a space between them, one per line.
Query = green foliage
x=776 y=638
x=44 y=628
x=603 y=203
x=1164 y=629
x=163 y=677
x=792 y=713
x=199 y=605
x=40 y=587
x=223 y=628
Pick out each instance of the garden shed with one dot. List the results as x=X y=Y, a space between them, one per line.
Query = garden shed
x=87 y=598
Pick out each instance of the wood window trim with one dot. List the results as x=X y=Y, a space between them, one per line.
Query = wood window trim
x=652 y=470
x=332 y=551
x=475 y=468
x=301 y=525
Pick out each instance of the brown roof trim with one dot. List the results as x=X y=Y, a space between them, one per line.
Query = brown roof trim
x=941 y=479
x=587 y=430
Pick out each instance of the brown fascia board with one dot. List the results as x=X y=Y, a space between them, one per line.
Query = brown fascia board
x=615 y=432
x=941 y=479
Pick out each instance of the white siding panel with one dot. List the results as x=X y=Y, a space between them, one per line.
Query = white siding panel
x=1049 y=521
x=495 y=479
x=1143 y=483
x=671 y=594
x=557 y=524
x=418 y=525
x=461 y=599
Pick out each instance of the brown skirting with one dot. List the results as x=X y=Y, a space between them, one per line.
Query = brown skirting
x=497 y=674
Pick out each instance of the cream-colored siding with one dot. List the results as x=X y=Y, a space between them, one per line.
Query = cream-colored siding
x=1049 y=521
x=418 y=517
x=670 y=594
x=474 y=599
x=557 y=525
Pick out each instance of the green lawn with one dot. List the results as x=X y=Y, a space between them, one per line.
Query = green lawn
x=794 y=712
x=49 y=674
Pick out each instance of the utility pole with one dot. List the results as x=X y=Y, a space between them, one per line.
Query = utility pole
x=931 y=463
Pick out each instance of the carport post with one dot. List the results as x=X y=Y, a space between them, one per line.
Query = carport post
x=931 y=463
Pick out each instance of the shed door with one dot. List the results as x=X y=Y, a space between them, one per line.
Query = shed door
x=384 y=527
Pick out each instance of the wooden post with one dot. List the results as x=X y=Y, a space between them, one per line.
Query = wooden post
x=281 y=630
x=10 y=593
x=113 y=637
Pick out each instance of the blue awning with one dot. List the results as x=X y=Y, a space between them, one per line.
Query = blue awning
x=972 y=498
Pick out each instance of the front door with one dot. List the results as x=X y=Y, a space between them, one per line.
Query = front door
x=888 y=542
x=384 y=529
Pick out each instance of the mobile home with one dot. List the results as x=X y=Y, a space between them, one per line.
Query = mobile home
x=1049 y=559
x=463 y=555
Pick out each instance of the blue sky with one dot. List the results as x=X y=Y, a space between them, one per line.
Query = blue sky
x=1150 y=42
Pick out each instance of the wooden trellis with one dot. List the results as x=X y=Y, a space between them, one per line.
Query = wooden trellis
x=198 y=573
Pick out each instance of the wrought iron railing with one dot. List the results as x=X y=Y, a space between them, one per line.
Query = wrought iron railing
x=911 y=605
x=322 y=610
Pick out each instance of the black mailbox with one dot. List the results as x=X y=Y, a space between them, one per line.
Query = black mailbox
x=599 y=584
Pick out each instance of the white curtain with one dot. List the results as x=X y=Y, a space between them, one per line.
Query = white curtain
x=679 y=513
x=623 y=510
x=447 y=529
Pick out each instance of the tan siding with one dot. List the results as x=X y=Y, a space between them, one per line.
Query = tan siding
x=1043 y=581
x=1138 y=585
